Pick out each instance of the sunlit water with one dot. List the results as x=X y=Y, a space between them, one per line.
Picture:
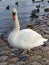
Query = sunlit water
x=24 y=10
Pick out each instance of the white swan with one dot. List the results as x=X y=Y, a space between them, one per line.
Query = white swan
x=25 y=38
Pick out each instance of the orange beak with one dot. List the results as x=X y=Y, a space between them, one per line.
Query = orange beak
x=14 y=16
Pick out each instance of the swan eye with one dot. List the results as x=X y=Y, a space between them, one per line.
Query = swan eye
x=14 y=13
x=14 y=16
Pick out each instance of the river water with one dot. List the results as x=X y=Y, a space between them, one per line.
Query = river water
x=24 y=9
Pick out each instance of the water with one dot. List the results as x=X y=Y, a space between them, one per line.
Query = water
x=24 y=10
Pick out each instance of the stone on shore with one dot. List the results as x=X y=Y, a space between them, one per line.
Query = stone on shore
x=20 y=63
x=48 y=23
x=13 y=60
x=4 y=63
x=34 y=63
x=3 y=58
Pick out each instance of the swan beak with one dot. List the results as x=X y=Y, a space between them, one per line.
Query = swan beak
x=14 y=16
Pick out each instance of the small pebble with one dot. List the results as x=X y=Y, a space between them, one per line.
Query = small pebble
x=20 y=63
x=3 y=58
x=4 y=63
x=19 y=51
x=34 y=63
x=22 y=58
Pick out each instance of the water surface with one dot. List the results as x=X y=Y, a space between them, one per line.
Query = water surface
x=24 y=10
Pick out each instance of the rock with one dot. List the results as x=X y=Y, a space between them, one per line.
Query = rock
x=4 y=63
x=13 y=50
x=31 y=58
x=6 y=48
x=46 y=36
x=37 y=57
x=47 y=23
x=7 y=52
x=1 y=48
x=34 y=63
x=47 y=17
x=11 y=55
x=47 y=43
x=20 y=63
x=13 y=60
x=46 y=54
x=22 y=58
x=35 y=49
x=47 y=62
x=42 y=26
x=45 y=48
x=24 y=51
x=1 y=53
x=44 y=59
x=4 y=53
x=19 y=51
x=2 y=43
x=6 y=40
x=3 y=58
x=37 y=52
x=45 y=31
x=11 y=64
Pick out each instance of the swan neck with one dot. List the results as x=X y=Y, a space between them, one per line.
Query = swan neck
x=17 y=25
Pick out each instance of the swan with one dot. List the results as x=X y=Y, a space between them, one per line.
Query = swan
x=25 y=38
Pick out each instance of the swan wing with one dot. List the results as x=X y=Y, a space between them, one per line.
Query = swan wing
x=29 y=35
x=28 y=39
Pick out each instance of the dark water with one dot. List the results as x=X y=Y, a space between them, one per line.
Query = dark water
x=24 y=10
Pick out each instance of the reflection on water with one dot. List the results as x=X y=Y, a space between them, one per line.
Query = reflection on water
x=24 y=10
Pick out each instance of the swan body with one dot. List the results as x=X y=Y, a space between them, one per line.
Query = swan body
x=26 y=38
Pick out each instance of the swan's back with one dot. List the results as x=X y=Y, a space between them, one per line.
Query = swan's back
x=28 y=34
x=28 y=38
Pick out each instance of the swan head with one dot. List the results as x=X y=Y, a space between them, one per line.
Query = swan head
x=14 y=12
